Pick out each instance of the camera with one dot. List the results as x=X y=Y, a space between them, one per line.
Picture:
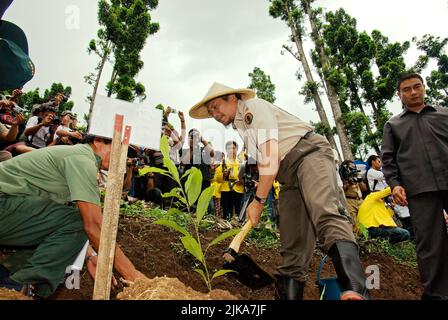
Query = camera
x=56 y=121
x=250 y=176
x=347 y=173
x=17 y=110
x=138 y=162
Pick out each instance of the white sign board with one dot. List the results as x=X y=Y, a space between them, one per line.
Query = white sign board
x=146 y=121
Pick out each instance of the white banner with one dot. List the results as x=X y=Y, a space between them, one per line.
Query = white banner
x=146 y=121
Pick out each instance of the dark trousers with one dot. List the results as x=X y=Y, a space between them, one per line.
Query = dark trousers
x=54 y=230
x=230 y=201
x=431 y=240
x=394 y=235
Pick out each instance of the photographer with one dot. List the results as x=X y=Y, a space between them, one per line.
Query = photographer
x=231 y=188
x=353 y=188
x=12 y=129
x=38 y=130
x=64 y=134
x=198 y=156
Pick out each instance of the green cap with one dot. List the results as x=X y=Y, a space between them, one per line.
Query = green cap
x=16 y=67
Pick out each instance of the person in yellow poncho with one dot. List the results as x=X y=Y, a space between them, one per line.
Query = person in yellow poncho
x=377 y=218
x=226 y=175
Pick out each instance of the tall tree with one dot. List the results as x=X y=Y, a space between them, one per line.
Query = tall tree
x=332 y=94
x=125 y=27
x=437 y=82
x=369 y=67
x=262 y=83
x=292 y=15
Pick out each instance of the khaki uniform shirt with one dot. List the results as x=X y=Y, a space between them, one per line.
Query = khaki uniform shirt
x=258 y=121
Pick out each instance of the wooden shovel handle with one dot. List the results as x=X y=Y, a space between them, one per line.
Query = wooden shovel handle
x=239 y=238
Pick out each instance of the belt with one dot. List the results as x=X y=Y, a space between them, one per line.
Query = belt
x=309 y=134
x=355 y=198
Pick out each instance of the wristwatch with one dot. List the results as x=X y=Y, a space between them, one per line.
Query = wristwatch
x=261 y=200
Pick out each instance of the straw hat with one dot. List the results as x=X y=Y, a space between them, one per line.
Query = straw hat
x=199 y=110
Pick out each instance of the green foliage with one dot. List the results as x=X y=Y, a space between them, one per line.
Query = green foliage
x=263 y=84
x=125 y=27
x=191 y=196
x=404 y=252
x=437 y=82
x=264 y=235
x=322 y=129
x=309 y=90
x=364 y=68
x=355 y=123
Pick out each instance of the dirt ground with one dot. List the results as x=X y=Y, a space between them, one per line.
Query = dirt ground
x=157 y=252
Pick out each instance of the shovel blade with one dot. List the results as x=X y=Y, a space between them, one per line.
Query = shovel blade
x=248 y=272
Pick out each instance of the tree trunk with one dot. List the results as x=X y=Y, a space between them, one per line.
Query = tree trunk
x=97 y=83
x=331 y=91
x=112 y=81
x=309 y=77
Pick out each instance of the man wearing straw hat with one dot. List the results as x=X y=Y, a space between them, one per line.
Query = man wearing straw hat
x=287 y=148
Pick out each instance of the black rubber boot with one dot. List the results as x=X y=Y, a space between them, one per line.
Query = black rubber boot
x=346 y=262
x=287 y=288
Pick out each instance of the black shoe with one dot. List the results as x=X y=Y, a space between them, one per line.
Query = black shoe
x=346 y=262
x=287 y=288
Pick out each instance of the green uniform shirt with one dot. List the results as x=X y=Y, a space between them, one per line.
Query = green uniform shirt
x=60 y=173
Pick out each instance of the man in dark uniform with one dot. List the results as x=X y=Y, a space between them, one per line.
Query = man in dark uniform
x=415 y=156
x=287 y=148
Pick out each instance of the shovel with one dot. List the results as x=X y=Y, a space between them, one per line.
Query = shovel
x=248 y=272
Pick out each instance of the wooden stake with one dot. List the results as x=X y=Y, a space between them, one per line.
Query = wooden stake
x=111 y=210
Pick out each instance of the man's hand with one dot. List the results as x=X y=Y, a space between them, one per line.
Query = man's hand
x=18 y=120
x=167 y=111
x=91 y=268
x=181 y=116
x=399 y=195
x=17 y=93
x=253 y=212
x=47 y=120
x=76 y=135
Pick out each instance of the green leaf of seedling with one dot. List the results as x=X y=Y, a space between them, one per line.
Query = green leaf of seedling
x=146 y=170
x=193 y=247
x=175 y=212
x=201 y=272
x=221 y=273
x=186 y=173
x=175 y=193
x=193 y=185
x=173 y=225
x=165 y=149
x=224 y=236
x=203 y=203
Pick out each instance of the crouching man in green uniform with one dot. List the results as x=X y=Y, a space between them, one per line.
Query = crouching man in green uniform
x=50 y=201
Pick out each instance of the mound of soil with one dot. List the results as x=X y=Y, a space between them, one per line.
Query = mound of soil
x=157 y=252
x=7 y=294
x=164 y=288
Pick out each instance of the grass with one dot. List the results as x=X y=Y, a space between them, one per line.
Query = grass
x=403 y=252
x=139 y=209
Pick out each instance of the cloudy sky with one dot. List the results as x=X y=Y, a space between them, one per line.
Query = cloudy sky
x=202 y=41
